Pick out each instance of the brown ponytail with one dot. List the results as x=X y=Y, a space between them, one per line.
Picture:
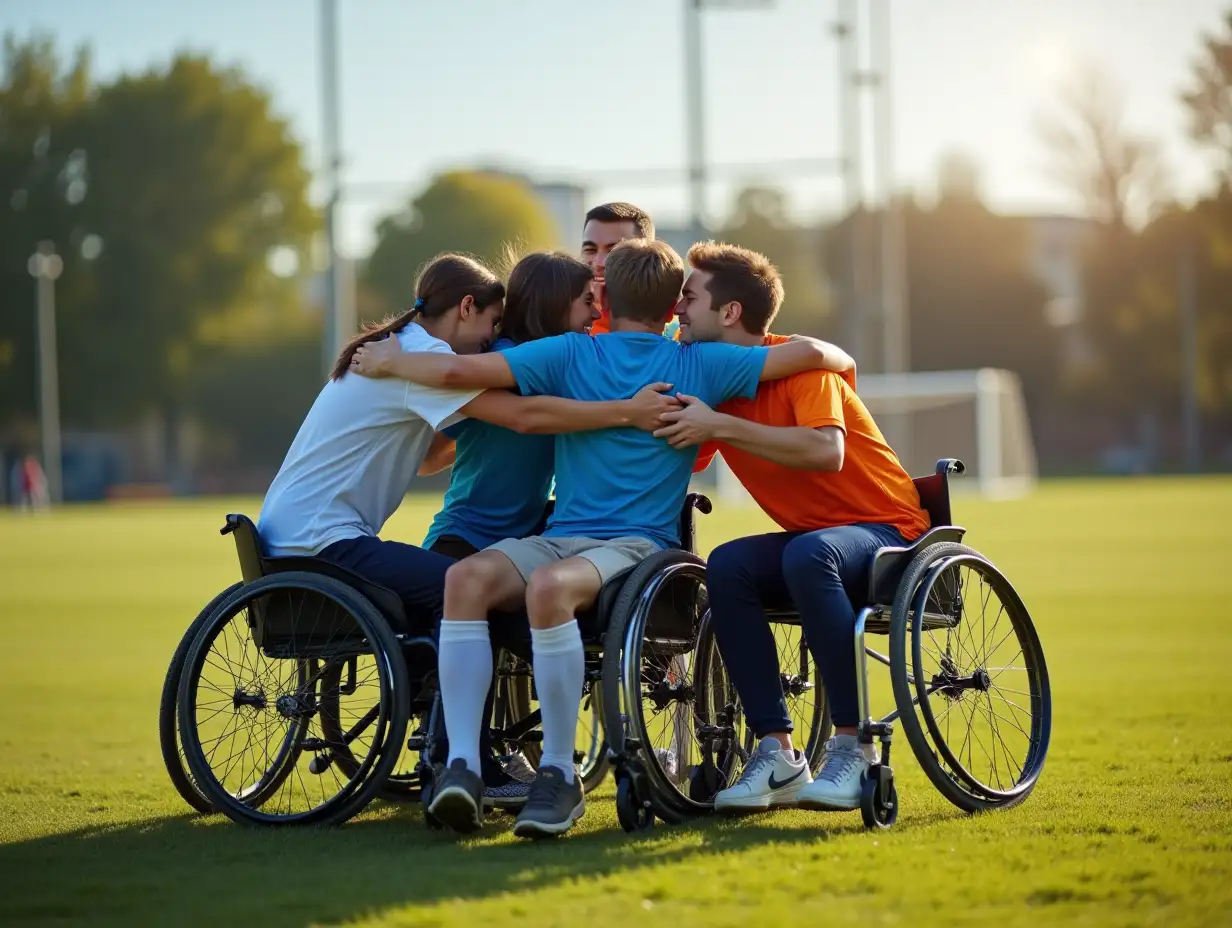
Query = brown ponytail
x=442 y=284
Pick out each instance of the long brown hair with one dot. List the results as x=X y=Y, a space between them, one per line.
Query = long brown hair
x=542 y=288
x=442 y=284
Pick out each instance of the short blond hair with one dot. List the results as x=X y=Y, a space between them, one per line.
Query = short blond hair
x=643 y=280
x=743 y=276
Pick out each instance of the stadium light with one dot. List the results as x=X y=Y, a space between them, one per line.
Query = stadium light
x=45 y=266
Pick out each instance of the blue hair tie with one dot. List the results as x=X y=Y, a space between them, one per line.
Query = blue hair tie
x=419 y=303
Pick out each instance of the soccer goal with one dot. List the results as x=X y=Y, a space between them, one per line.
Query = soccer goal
x=978 y=416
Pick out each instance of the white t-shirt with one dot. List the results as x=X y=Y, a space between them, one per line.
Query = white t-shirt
x=354 y=457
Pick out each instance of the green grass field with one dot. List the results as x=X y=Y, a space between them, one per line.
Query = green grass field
x=1131 y=823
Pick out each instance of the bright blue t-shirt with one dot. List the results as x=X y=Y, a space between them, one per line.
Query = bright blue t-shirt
x=500 y=482
x=616 y=482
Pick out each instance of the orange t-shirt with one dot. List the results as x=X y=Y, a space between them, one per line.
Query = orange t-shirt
x=872 y=486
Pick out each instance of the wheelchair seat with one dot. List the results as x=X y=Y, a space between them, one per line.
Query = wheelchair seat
x=593 y=622
x=890 y=562
x=254 y=565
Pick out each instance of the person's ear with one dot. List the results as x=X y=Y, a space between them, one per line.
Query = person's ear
x=730 y=313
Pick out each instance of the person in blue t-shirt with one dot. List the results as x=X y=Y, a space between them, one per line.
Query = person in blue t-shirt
x=609 y=516
x=501 y=480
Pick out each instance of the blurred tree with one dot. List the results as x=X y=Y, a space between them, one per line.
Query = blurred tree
x=1209 y=101
x=975 y=301
x=192 y=182
x=1118 y=175
x=477 y=213
x=40 y=198
x=759 y=220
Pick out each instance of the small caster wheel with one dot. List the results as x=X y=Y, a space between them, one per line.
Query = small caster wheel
x=879 y=798
x=633 y=812
x=319 y=764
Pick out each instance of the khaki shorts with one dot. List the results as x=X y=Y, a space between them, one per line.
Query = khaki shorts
x=610 y=558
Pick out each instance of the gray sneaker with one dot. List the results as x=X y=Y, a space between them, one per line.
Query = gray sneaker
x=552 y=806
x=518 y=767
x=457 y=801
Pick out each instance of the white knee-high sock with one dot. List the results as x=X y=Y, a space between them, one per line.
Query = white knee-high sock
x=560 y=668
x=465 y=670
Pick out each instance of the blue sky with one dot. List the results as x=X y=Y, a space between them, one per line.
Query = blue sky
x=570 y=89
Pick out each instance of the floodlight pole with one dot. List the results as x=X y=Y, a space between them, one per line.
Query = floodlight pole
x=45 y=266
x=895 y=322
x=334 y=328
x=695 y=104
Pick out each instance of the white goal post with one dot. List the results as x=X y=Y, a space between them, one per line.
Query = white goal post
x=978 y=416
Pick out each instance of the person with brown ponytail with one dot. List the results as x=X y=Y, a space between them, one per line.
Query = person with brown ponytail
x=364 y=440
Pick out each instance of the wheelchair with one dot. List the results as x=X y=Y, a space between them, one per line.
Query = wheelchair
x=967 y=671
x=304 y=691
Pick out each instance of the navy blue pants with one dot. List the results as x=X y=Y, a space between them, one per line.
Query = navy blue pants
x=824 y=576
x=417 y=575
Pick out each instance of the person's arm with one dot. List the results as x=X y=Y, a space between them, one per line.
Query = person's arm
x=805 y=354
x=552 y=415
x=440 y=369
x=440 y=455
x=794 y=446
x=837 y=359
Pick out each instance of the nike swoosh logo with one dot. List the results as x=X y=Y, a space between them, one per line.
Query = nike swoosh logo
x=779 y=784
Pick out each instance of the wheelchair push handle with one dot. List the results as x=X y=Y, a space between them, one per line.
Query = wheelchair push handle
x=951 y=466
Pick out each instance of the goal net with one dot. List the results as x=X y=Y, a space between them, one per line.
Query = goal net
x=977 y=416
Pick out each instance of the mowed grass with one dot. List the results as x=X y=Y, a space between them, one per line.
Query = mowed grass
x=1131 y=823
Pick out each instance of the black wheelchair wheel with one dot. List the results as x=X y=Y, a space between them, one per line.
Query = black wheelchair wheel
x=718 y=703
x=632 y=811
x=879 y=798
x=340 y=727
x=514 y=696
x=168 y=726
x=251 y=694
x=649 y=680
x=969 y=679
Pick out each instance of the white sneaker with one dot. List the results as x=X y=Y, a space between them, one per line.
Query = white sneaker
x=838 y=783
x=772 y=778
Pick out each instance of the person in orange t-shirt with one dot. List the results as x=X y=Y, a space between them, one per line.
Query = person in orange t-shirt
x=810 y=454
x=607 y=225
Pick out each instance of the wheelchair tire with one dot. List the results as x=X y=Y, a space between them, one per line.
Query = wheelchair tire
x=168 y=724
x=630 y=662
x=711 y=676
x=931 y=586
x=363 y=630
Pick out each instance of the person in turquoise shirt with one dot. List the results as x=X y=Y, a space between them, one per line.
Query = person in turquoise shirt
x=501 y=481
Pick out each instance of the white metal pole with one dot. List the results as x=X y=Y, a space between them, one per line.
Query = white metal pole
x=895 y=323
x=695 y=116
x=333 y=331
x=45 y=266
x=1190 y=424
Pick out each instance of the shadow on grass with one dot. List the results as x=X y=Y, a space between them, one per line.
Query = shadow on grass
x=188 y=870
